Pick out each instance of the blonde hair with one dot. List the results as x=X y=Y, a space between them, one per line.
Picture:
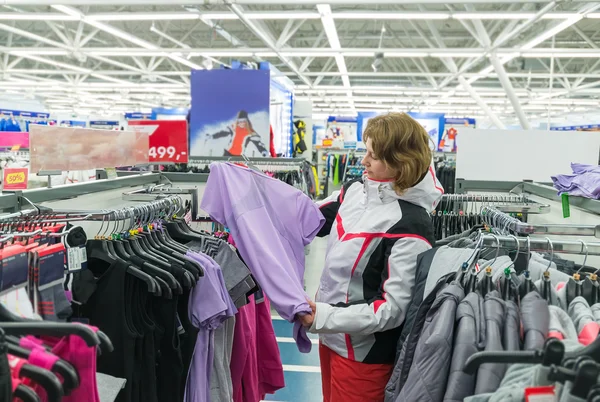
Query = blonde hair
x=403 y=145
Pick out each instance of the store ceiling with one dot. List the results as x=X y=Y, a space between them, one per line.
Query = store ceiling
x=497 y=59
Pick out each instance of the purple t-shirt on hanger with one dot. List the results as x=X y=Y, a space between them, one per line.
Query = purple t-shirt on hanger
x=209 y=306
x=271 y=223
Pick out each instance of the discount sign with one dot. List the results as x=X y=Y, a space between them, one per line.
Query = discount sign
x=15 y=178
x=168 y=139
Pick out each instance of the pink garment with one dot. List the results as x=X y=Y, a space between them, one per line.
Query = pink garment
x=74 y=350
x=256 y=367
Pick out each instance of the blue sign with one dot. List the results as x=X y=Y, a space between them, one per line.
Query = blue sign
x=74 y=123
x=104 y=123
x=576 y=128
x=455 y=121
x=139 y=116
x=171 y=111
x=16 y=113
x=230 y=113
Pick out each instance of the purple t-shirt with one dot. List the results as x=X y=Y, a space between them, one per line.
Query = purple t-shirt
x=209 y=306
x=271 y=223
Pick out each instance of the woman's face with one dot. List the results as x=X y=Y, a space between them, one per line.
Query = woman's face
x=375 y=168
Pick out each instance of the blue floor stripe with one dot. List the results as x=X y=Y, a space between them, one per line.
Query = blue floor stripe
x=290 y=355
x=300 y=387
x=284 y=329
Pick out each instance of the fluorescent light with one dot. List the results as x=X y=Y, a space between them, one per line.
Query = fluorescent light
x=405 y=54
x=58 y=64
x=68 y=10
x=552 y=31
x=218 y=16
x=37 y=17
x=593 y=15
x=142 y=16
x=492 y=16
x=46 y=52
x=558 y=54
x=281 y=15
x=361 y=15
x=454 y=54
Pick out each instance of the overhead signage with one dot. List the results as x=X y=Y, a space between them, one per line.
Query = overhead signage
x=15 y=178
x=68 y=148
x=168 y=139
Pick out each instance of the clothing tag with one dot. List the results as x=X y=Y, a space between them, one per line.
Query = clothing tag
x=540 y=394
x=477 y=267
x=73 y=263
x=566 y=209
x=76 y=258
x=14 y=267
x=180 y=329
x=188 y=217
x=259 y=297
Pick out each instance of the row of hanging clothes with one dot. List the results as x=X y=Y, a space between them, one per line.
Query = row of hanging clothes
x=42 y=356
x=494 y=308
x=445 y=170
x=174 y=304
x=302 y=175
x=457 y=214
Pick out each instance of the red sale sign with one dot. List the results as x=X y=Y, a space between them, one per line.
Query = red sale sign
x=15 y=178
x=168 y=139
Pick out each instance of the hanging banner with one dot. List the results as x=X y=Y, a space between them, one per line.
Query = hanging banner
x=230 y=113
x=66 y=148
x=15 y=178
x=168 y=139
x=453 y=126
x=11 y=139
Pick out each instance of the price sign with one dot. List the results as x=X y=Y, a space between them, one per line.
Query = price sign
x=168 y=139
x=15 y=178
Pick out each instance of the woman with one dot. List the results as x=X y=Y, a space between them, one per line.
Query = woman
x=377 y=226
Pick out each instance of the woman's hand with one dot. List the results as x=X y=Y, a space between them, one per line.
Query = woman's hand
x=308 y=319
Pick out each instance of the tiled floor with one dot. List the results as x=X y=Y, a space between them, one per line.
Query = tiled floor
x=302 y=372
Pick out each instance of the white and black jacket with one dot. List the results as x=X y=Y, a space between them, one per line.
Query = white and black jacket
x=375 y=236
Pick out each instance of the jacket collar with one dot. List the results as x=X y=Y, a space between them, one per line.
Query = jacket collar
x=379 y=192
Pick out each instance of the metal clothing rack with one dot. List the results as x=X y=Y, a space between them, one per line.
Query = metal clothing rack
x=542 y=245
x=161 y=191
x=41 y=214
x=504 y=223
x=505 y=203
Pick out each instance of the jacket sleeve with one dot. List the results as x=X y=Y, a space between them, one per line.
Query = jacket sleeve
x=384 y=311
x=329 y=208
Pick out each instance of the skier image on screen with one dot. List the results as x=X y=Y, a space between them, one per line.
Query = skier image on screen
x=244 y=140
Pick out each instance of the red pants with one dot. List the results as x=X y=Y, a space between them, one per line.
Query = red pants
x=349 y=381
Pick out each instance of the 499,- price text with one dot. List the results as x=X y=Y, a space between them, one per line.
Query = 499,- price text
x=165 y=154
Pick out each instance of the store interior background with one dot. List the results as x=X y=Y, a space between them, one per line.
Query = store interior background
x=516 y=66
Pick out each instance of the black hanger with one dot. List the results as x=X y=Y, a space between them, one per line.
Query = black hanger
x=123 y=249
x=44 y=378
x=487 y=284
x=55 y=329
x=62 y=367
x=26 y=394
x=552 y=353
x=103 y=251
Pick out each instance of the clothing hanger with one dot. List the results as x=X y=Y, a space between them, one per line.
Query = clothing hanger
x=66 y=370
x=552 y=354
x=100 y=249
x=546 y=290
x=527 y=284
x=26 y=394
x=44 y=378
x=506 y=282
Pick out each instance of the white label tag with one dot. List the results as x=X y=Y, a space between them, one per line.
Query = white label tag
x=73 y=262
x=82 y=255
x=188 y=217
